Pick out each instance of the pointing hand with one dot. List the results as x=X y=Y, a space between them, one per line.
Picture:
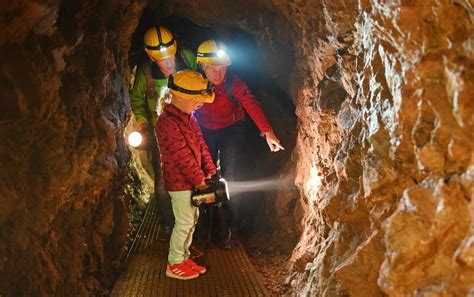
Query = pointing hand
x=273 y=141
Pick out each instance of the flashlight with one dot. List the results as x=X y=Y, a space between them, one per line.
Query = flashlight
x=135 y=139
x=220 y=53
x=217 y=192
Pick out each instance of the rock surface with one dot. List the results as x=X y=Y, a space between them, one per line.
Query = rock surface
x=63 y=209
x=384 y=149
x=382 y=159
x=384 y=154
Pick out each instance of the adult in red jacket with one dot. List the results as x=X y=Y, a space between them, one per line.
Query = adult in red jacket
x=222 y=122
x=186 y=164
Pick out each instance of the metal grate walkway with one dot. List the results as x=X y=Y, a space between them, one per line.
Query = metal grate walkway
x=230 y=273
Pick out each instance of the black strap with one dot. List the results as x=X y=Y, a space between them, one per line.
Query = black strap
x=209 y=89
x=160 y=46
x=214 y=54
x=228 y=86
x=160 y=41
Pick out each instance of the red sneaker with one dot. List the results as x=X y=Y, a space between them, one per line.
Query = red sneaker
x=194 y=266
x=181 y=271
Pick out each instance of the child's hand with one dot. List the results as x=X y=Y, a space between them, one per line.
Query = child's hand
x=202 y=185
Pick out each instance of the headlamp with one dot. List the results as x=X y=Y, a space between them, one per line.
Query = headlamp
x=161 y=46
x=218 y=54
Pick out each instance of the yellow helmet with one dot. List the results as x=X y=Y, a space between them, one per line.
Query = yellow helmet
x=213 y=53
x=190 y=85
x=159 y=43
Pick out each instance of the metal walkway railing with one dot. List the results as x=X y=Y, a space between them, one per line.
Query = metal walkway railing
x=230 y=272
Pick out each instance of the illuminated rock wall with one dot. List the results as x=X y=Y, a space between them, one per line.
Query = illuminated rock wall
x=385 y=159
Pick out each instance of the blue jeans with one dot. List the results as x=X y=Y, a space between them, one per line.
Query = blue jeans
x=230 y=143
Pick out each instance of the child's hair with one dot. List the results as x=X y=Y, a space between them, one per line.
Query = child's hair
x=163 y=101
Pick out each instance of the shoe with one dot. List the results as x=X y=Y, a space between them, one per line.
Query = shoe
x=181 y=271
x=195 y=252
x=194 y=266
x=165 y=233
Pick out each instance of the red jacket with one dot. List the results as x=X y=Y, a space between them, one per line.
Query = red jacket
x=225 y=111
x=185 y=158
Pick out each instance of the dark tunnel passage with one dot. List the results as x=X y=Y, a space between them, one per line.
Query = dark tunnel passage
x=372 y=100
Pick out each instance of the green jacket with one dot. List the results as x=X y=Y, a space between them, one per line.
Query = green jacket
x=143 y=97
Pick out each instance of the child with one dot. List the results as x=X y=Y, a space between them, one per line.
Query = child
x=186 y=163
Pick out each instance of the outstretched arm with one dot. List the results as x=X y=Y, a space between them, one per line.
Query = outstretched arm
x=253 y=108
x=273 y=141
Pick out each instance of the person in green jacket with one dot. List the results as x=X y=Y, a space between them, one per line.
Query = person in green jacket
x=151 y=78
x=150 y=84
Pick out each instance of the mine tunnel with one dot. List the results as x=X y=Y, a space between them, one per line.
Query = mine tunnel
x=371 y=196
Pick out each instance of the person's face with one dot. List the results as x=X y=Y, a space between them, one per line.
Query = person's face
x=215 y=74
x=187 y=106
x=167 y=66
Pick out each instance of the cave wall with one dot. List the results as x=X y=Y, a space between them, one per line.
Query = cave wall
x=382 y=162
x=383 y=159
x=63 y=164
x=384 y=148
